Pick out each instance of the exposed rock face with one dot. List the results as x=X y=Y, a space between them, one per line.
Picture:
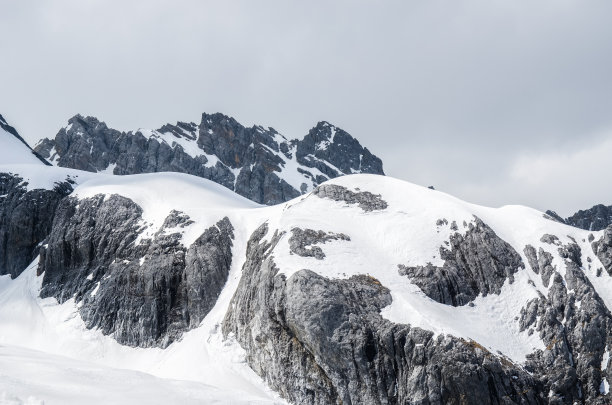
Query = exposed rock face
x=603 y=249
x=302 y=242
x=478 y=262
x=322 y=341
x=257 y=163
x=25 y=220
x=594 y=219
x=144 y=292
x=364 y=199
x=575 y=324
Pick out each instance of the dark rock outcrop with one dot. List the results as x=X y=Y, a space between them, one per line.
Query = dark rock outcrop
x=364 y=199
x=327 y=144
x=322 y=341
x=302 y=242
x=594 y=219
x=253 y=162
x=26 y=217
x=145 y=292
x=478 y=262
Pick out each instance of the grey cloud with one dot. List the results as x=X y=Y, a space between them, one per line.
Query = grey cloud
x=449 y=94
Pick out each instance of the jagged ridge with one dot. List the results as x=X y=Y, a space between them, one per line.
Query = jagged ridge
x=256 y=162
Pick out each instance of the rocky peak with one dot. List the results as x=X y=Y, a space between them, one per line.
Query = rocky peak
x=326 y=143
x=256 y=162
x=593 y=219
x=236 y=145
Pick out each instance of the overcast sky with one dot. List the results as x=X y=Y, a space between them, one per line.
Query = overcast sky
x=496 y=102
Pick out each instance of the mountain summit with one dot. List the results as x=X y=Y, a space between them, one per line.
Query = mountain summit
x=257 y=163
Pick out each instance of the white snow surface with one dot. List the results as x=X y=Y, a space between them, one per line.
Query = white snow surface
x=13 y=151
x=31 y=377
x=35 y=331
x=46 y=177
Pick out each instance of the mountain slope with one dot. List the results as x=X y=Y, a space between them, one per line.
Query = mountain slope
x=62 y=381
x=366 y=289
x=15 y=149
x=335 y=295
x=257 y=163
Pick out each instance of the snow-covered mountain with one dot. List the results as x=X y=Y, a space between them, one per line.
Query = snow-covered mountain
x=364 y=290
x=257 y=163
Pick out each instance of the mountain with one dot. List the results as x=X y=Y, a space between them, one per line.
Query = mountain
x=364 y=290
x=594 y=219
x=257 y=163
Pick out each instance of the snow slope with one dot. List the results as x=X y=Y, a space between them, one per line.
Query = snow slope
x=14 y=151
x=408 y=232
x=35 y=378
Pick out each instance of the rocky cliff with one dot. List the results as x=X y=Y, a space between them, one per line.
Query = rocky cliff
x=26 y=217
x=94 y=255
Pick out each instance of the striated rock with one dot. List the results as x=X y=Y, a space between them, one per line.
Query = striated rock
x=364 y=199
x=165 y=288
x=322 y=341
x=26 y=217
x=257 y=163
x=478 y=262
